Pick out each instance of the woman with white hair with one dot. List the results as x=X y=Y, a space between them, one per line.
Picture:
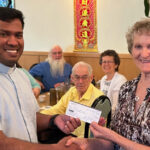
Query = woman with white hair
x=131 y=122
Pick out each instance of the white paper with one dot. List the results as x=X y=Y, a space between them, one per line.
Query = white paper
x=84 y=113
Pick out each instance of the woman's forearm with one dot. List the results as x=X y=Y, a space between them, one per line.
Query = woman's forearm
x=127 y=144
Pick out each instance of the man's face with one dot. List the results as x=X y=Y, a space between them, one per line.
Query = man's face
x=56 y=53
x=11 y=42
x=81 y=79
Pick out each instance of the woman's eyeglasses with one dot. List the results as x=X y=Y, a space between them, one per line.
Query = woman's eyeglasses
x=107 y=62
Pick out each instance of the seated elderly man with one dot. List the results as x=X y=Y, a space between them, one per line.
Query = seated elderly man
x=83 y=92
x=54 y=71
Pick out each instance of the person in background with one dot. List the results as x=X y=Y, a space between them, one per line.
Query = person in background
x=131 y=122
x=36 y=88
x=111 y=82
x=83 y=92
x=20 y=119
x=54 y=71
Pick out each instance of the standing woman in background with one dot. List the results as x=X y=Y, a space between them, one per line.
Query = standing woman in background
x=112 y=80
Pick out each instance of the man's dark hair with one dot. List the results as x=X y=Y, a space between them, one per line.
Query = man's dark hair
x=9 y=3
x=113 y=54
x=9 y=14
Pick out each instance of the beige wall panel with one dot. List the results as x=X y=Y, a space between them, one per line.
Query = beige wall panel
x=42 y=58
x=127 y=67
x=27 y=60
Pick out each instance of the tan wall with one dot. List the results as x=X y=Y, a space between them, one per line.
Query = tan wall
x=127 y=67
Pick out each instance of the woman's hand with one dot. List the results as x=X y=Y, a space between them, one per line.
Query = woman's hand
x=99 y=131
x=36 y=91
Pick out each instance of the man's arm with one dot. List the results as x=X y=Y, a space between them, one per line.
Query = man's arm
x=42 y=121
x=16 y=144
x=63 y=122
x=41 y=84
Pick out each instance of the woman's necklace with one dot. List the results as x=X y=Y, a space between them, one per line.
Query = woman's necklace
x=137 y=98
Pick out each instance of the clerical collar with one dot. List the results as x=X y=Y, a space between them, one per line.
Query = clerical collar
x=6 y=69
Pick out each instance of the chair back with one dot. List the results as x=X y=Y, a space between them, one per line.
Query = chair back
x=103 y=104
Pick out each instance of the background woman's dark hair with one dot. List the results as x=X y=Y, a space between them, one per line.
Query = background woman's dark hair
x=113 y=54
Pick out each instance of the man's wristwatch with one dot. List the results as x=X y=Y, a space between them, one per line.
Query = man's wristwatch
x=51 y=124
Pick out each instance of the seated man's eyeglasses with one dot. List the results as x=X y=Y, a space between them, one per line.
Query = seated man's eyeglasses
x=84 y=77
x=56 y=53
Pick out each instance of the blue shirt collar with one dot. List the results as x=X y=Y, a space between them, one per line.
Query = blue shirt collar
x=6 y=69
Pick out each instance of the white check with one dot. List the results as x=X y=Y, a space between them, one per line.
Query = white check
x=84 y=113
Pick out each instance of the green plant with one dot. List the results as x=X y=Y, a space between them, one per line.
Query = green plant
x=147 y=7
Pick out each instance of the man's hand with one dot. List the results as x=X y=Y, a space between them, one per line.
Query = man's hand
x=59 y=84
x=81 y=142
x=62 y=144
x=67 y=124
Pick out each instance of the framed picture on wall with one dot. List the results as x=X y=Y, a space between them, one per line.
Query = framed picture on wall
x=7 y=3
